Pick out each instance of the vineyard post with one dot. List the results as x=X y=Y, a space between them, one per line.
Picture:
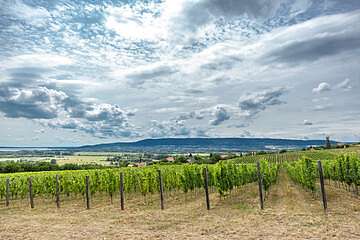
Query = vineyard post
x=161 y=190
x=206 y=185
x=31 y=193
x=57 y=191
x=87 y=192
x=122 y=191
x=7 y=192
x=260 y=185
x=322 y=185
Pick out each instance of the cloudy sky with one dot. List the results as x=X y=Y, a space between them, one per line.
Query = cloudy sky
x=83 y=72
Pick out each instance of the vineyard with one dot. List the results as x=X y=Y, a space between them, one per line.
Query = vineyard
x=290 y=192
x=290 y=156
x=223 y=177
x=344 y=171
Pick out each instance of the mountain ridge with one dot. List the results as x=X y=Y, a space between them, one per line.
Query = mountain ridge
x=205 y=144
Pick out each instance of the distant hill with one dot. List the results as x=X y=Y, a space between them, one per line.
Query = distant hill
x=203 y=144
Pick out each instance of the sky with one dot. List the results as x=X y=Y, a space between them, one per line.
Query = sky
x=90 y=71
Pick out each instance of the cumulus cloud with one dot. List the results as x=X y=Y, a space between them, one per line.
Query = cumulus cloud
x=98 y=119
x=102 y=112
x=35 y=103
x=168 y=129
x=175 y=128
x=100 y=129
x=221 y=115
x=253 y=103
x=322 y=87
x=56 y=109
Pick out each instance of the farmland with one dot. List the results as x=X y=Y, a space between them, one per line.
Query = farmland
x=290 y=213
x=292 y=199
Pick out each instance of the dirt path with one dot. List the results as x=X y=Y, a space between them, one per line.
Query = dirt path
x=290 y=213
x=287 y=197
x=300 y=215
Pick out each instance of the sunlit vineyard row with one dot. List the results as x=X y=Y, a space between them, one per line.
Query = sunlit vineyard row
x=223 y=176
x=291 y=156
x=344 y=169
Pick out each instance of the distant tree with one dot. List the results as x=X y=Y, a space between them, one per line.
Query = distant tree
x=180 y=159
x=214 y=157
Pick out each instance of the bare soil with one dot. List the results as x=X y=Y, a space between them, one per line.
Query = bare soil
x=290 y=213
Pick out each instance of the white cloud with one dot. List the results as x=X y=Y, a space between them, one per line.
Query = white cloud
x=34 y=16
x=322 y=87
x=176 y=61
x=40 y=60
x=253 y=103
x=312 y=40
x=345 y=85
x=136 y=22
x=220 y=115
x=36 y=103
x=168 y=128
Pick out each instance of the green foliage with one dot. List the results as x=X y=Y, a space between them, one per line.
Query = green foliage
x=180 y=159
x=14 y=167
x=303 y=172
x=214 y=157
x=224 y=176
x=269 y=173
x=346 y=168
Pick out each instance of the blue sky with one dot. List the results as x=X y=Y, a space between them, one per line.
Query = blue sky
x=81 y=72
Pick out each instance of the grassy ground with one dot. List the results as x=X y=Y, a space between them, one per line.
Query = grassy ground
x=290 y=213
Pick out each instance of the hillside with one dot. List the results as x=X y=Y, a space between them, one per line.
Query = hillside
x=204 y=144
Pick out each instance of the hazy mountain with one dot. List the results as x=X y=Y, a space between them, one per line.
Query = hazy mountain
x=204 y=144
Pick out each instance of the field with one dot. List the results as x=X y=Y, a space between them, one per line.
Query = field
x=292 y=209
x=78 y=159
x=290 y=213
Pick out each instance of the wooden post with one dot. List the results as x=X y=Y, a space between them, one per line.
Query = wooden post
x=122 y=191
x=87 y=192
x=57 y=192
x=322 y=185
x=7 y=192
x=260 y=185
x=31 y=193
x=206 y=185
x=161 y=188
